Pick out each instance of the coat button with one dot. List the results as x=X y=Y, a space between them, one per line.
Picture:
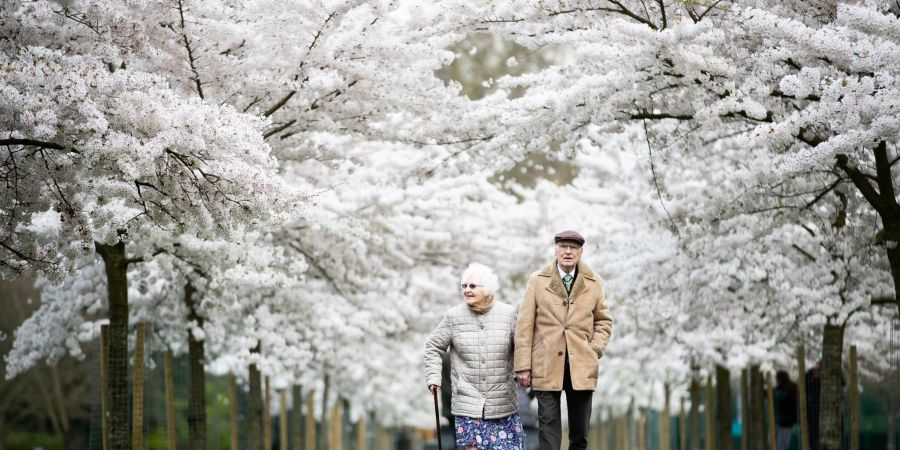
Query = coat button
x=560 y=353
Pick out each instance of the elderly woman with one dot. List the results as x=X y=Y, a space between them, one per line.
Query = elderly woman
x=479 y=335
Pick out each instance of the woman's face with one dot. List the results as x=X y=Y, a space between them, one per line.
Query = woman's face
x=473 y=292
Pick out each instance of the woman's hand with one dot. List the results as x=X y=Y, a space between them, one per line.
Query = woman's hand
x=433 y=388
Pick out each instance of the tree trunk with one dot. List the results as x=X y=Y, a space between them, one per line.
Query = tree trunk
x=665 y=436
x=682 y=427
x=119 y=391
x=60 y=399
x=802 y=413
x=138 y=402
x=854 y=401
x=233 y=410
x=710 y=439
x=297 y=433
x=104 y=385
x=770 y=412
x=267 y=414
x=170 y=402
x=196 y=355
x=254 y=409
x=282 y=420
x=830 y=423
x=746 y=421
x=310 y=437
x=723 y=408
x=694 y=440
x=757 y=432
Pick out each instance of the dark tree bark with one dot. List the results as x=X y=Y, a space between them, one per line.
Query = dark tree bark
x=254 y=409
x=830 y=417
x=298 y=434
x=695 y=433
x=745 y=408
x=723 y=408
x=883 y=199
x=197 y=357
x=756 y=429
x=119 y=390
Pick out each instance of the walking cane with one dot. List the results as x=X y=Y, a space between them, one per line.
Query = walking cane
x=437 y=418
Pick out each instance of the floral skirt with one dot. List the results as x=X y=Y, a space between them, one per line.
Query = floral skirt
x=490 y=434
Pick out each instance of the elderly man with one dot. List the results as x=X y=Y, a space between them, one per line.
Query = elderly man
x=561 y=333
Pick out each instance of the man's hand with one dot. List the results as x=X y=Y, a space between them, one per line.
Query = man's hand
x=524 y=378
x=433 y=388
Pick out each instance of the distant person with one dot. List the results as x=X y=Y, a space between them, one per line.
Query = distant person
x=813 y=401
x=564 y=326
x=479 y=336
x=785 y=394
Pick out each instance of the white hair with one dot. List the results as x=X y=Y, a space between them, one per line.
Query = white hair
x=483 y=275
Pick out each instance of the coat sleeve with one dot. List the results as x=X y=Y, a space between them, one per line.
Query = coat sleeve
x=525 y=330
x=435 y=347
x=602 y=324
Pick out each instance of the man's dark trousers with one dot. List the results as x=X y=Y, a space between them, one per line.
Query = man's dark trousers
x=579 y=407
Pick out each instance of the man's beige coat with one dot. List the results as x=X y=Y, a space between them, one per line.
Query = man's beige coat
x=551 y=323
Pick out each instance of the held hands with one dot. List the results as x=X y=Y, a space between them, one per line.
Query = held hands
x=524 y=378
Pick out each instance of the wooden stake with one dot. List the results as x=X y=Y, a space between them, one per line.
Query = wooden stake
x=170 y=401
x=641 y=432
x=337 y=422
x=137 y=424
x=361 y=433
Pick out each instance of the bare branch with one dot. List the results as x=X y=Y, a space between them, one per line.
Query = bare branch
x=280 y=103
x=656 y=179
x=190 y=52
x=32 y=143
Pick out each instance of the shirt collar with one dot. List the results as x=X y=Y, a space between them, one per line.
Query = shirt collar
x=563 y=273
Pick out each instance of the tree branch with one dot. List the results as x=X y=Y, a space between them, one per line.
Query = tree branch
x=862 y=183
x=31 y=143
x=884 y=180
x=190 y=51
x=280 y=103
x=662 y=11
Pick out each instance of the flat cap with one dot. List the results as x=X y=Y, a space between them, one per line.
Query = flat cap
x=569 y=235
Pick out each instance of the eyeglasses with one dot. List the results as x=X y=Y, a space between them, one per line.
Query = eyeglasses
x=566 y=247
x=465 y=286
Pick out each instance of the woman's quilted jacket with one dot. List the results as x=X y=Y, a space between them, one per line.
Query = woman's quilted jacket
x=481 y=360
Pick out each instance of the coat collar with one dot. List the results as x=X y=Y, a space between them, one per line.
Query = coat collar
x=556 y=285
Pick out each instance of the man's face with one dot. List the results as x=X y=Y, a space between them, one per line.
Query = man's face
x=568 y=254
